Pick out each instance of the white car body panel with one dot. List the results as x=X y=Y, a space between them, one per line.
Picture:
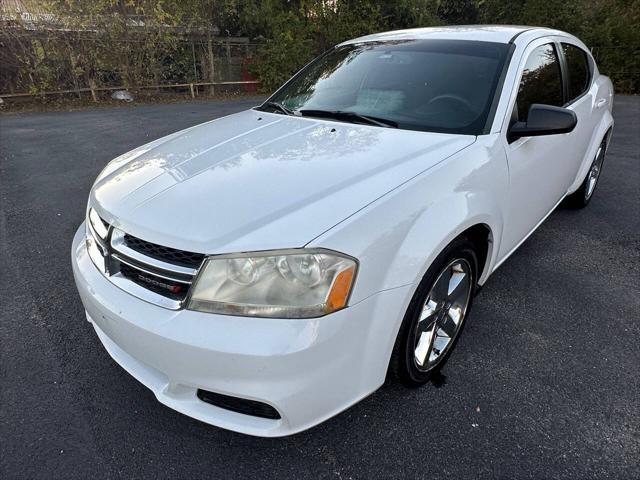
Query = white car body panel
x=437 y=206
x=543 y=170
x=483 y=33
x=393 y=199
x=304 y=173
x=308 y=369
x=540 y=169
x=599 y=102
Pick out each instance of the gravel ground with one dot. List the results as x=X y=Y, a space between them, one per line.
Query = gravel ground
x=545 y=382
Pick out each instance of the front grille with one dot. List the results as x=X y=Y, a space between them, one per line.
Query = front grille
x=165 y=254
x=157 y=274
x=239 y=405
x=106 y=225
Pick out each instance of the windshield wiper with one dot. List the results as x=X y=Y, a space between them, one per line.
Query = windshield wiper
x=279 y=107
x=350 y=116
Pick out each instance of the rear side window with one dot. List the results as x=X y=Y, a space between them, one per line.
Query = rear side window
x=541 y=81
x=578 y=69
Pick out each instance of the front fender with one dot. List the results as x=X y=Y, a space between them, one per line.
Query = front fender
x=397 y=237
x=452 y=216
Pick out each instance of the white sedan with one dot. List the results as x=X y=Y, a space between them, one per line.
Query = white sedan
x=264 y=271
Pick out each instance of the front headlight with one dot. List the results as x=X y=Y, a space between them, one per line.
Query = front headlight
x=279 y=284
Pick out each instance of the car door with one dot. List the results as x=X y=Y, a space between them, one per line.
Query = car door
x=540 y=168
x=580 y=98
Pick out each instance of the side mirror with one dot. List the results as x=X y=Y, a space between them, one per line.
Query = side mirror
x=543 y=120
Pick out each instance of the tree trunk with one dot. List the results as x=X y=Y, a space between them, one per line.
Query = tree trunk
x=73 y=72
x=92 y=86
x=195 y=69
x=211 y=64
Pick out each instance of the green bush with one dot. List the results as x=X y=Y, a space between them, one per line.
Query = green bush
x=285 y=52
x=609 y=27
x=86 y=43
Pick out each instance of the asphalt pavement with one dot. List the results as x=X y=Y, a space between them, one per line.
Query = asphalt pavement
x=544 y=383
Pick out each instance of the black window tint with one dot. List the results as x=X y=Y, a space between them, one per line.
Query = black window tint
x=578 y=67
x=541 y=81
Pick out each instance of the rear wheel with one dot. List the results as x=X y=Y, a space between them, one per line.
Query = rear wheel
x=436 y=315
x=581 y=197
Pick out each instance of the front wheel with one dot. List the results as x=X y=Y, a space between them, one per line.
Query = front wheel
x=436 y=315
x=581 y=197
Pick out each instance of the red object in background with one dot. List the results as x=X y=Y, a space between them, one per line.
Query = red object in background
x=247 y=77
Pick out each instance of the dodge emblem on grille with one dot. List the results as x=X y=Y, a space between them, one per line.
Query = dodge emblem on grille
x=157 y=283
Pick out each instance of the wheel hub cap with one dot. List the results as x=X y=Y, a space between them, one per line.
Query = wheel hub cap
x=594 y=173
x=442 y=314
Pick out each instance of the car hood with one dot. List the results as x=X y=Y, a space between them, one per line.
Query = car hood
x=256 y=180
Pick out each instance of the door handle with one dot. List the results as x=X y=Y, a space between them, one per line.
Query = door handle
x=601 y=103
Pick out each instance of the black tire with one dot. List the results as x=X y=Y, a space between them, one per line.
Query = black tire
x=403 y=366
x=583 y=195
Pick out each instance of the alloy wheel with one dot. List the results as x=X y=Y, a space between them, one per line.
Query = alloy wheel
x=442 y=314
x=594 y=173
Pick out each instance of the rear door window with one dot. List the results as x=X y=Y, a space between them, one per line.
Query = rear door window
x=577 y=69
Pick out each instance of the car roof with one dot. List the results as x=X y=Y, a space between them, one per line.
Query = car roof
x=486 y=33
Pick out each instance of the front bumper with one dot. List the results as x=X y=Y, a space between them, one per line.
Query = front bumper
x=308 y=370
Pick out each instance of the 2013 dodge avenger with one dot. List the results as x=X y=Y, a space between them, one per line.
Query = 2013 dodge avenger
x=266 y=270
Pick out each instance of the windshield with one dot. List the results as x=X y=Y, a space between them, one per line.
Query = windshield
x=429 y=85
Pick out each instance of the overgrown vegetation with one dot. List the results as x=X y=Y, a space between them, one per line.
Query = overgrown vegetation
x=296 y=31
x=71 y=44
